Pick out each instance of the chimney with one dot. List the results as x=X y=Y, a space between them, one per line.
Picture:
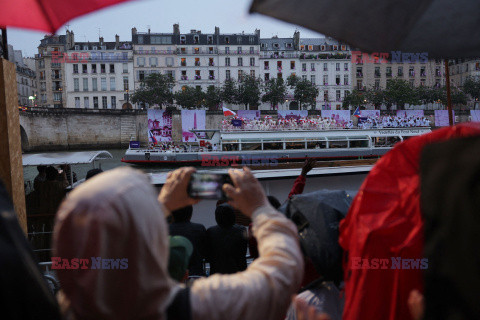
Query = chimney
x=117 y=40
x=296 y=40
x=257 y=33
x=101 y=40
x=176 y=28
x=217 y=31
x=70 y=39
x=193 y=31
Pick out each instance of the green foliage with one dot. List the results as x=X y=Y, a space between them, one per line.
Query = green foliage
x=353 y=99
x=305 y=93
x=228 y=92
x=400 y=92
x=457 y=96
x=155 y=89
x=471 y=87
x=292 y=81
x=190 y=97
x=213 y=98
x=275 y=91
x=375 y=97
x=249 y=91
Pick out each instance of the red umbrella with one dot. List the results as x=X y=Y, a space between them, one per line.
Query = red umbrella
x=47 y=15
x=384 y=223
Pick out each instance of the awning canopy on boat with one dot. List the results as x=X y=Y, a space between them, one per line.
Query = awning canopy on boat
x=57 y=158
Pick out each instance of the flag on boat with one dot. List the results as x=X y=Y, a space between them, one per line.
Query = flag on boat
x=152 y=137
x=357 y=112
x=227 y=112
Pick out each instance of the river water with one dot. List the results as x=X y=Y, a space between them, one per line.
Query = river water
x=204 y=210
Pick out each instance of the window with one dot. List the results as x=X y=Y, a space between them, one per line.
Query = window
x=210 y=62
x=312 y=66
x=209 y=39
x=252 y=62
x=95 y=102
x=377 y=71
x=94 y=84
x=239 y=50
x=113 y=100
x=141 y=75
x=169 y=61
x=423 y=73
x=304 y=67
x=102 y=68
x=197 y=62
x=153 y=61
x=196 y=50
x=411 y=72
x=227 y=62
x=266 y=65
x=227 y=40
x=85 y=102
x=252 y=73
x=76 y=85
x=400 y=71
x=183 y=40
x=304 y=77
x=279 y=75
x=325 y=80
x=289 y=45
x=94 y=68
x=77 y=102
x=197 y=75
x=85 y=84
x=227 y=50
x=345 y=80
x=125 y=83
x=359 y=85
x=337 y=66
x=56 y=96
x=104 y=84
x=211 y=75
x=112 y=84
x=84 y=68
x=104 y=102
x=292 y=65
x=389 y=72
x=338 y=95
x=252 y=50
x=325 y=66
x=227 y=75
x=112 y=68
x=141 y=61
x=240 y=75
x=337 y=80
x=345 y=66
x=184 y=75
x=240 y=62
x=267 y=77
x=312 y=79
x=195 y=39
x=75 y=68
x=183 y=62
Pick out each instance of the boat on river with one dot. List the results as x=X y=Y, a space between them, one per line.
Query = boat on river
x=218 y=148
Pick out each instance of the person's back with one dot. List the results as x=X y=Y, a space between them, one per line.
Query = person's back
x=226 y=243
x=195 y=233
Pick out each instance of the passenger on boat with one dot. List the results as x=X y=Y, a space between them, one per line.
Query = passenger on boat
x=116 y=215
x=40 y=178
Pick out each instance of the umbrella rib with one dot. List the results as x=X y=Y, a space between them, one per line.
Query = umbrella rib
x=47 y=18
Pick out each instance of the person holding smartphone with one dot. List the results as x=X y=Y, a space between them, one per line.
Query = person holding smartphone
x=116 y=215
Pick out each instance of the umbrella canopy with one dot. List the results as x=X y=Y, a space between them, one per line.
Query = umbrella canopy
x=384 y=228
x=47 y=15
x=443 y=28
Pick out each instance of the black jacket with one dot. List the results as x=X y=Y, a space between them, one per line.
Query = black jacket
x=227 y=249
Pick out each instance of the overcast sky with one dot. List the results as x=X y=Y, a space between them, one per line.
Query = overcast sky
x=230 y=15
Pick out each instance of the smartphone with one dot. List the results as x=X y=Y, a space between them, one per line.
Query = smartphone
x=204 y=185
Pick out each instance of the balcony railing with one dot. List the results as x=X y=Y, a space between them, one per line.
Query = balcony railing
x=154 y=51
x=266 y=68
x=197 y=64
x=236 y=52
x=400 y=74
x=198 y=77
x=388 y=74
x=423 y=74
x=304 y=69
x=377 y=74
x=211 y=64
x=183 y=78
x=312 y=69
x=265 y=55
x=411 y=73
x=211 y=77
x=359 y=74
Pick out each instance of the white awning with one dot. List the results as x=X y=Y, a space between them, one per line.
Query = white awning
x=57 y=158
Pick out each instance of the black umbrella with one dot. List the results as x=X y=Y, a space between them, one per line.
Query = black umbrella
x=443 y=28
x=317 y=216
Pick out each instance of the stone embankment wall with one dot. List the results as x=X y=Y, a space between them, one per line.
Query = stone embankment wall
x=74 y=129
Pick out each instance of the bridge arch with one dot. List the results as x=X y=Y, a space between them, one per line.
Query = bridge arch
x=24 y=139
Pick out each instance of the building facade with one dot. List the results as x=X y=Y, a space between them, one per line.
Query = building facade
x=99 y=75
x=461 y=69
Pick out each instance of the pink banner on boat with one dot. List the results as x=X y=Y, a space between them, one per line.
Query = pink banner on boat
x=409 y=113
x=160 y=124
x=441 y=118
x=369 y=113
x=249 y=114
x=295 y=114
x=192 y=119
x=475 y=114
x=341 y=116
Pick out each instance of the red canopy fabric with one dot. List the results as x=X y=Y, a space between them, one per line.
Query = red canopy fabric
x=46 y=15
x=385 y=222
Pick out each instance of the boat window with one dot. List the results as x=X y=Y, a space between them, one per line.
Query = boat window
x=337 y=144
x=358 y=143
x=230 y=146
x=385 y=141
x=272 y=145
x=251 y=146
x=294 y=145
x=316 y=144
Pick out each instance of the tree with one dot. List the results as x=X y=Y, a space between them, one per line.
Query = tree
x=399 y=92
x=353 y=99
x=427 y=95
x=228 y=93
x=275 y=91
x=292 y=80
x=190 y=97
x=375 y=96
x=213 y=98
x=155 y=89
x=472 y=88
x=249 y=91
x=457 y=96
x=305 y=93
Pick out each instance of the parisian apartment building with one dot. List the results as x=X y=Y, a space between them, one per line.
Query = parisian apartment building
x=461 y=69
